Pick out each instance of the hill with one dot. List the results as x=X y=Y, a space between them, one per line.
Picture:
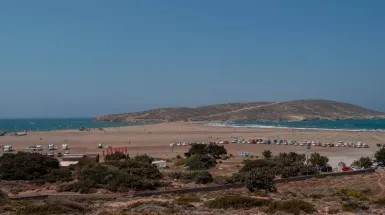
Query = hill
x=299 y=110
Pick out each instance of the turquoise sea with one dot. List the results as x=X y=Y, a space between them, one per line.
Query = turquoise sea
x=18 y=125
x=351 y=125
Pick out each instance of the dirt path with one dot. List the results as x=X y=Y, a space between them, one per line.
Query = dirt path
x=242 y=109
x=381 y=173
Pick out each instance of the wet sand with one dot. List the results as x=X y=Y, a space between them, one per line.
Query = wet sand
x=155 y=139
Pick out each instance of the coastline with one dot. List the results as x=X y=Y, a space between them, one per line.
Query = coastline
x=154 y=139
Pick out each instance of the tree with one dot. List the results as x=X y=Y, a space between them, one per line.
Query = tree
x=211 y=149
x=199 y=162
x=203 y=177
x=215 y=150
x=317 y=160
x=365 y=162
x=256 y=164
x=26 y=166
x=380 y=155
x=267 y=154
x=260 y=179
x=197 y=149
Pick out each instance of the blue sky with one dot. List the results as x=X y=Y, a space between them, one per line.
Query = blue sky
x=90 y=57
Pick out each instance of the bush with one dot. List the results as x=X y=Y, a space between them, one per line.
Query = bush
x=175 y=175
x=222 y=180
x=236 y=202
x=365 y=162
x=253 y=164
x=211 y=149
x=54 y=207
x=267 y=154
x=354 y=206
x=380 y=201
x=58 y=175
x=203 y=178
x=187 y=199
x=238 y=177
x=260 y=179
x=200 y=162
x=116 y=157
x=26 y=166
x=291 y=206
x=144 y=158
x=353 y=193
x=317 y=160
x=380 y=155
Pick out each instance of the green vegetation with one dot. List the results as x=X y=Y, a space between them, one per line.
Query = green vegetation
x=186 y=200
x=116 y=157
x=210 y=149
x=236 y=202
x=353 y=193
x=354 y=206
x=144 y=158
x=285 y=165
x=52 y=207
x=380 y=155
x=317 y=160
x=260 y=179
x=199 y=162
x=380 y=201
x=365 y=162
x=199 y=177
x=222 y=180
x=291 y=206
x=32 y=167
x=267 y=154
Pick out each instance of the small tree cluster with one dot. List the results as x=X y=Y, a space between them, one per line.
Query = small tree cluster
x=364 y=162
x=211 y=149
x=199 y=162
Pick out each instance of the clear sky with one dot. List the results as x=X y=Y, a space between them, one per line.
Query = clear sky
x=90 y=57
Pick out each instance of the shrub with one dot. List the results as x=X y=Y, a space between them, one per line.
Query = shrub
x=354 y=206
x=211 y=149
x=144 y=158
x=267 y=154
x=116 y=156
x=200 y=162
x=54 y=207
x=253 y=164
x=380 y=201
x=260 y=179
x=317 y=160
x=380 y=155
x=26 y=166
x=187 y=199
x=203 y=178
x=291 y=206
x=316 y=196
x=175 y=175
x=353 y=193
x=365 y=162
x=236 y=202
x=58 y=175
x=238 y=176
x=222 y=180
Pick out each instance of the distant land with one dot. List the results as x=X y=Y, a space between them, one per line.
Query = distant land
x=298 y=110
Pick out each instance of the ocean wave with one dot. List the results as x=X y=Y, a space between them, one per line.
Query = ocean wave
x=287 y=127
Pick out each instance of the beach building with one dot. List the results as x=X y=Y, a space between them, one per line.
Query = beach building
x=160 y=164
x=66 y=164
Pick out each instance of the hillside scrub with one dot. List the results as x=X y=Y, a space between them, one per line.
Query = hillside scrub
x=236 y=202
x=207 y=149
x=28 y=166
x=291 y=206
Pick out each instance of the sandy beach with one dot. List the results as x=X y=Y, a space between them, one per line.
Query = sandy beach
x=155 y=139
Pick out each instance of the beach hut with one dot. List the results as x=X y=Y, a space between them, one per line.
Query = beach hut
x=160 y=164
x=7 y=148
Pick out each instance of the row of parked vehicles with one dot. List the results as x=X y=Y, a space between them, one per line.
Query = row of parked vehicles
x=303 y=143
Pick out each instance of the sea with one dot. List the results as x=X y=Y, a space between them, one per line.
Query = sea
x=19 y=125
x=344 y=125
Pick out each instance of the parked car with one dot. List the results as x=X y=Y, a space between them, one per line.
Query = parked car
x=346 y=169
